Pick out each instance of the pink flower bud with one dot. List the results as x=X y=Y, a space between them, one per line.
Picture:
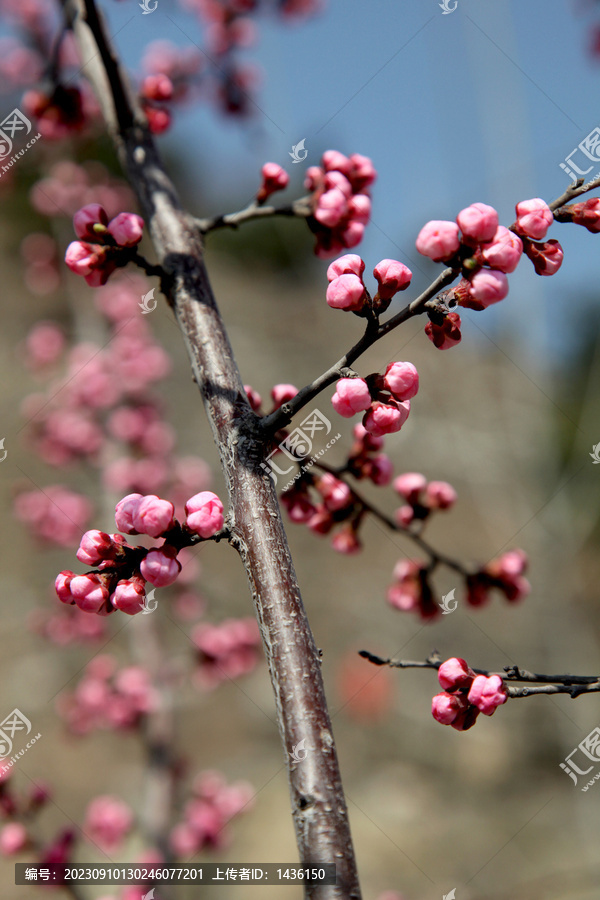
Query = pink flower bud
x=445 y=708
x=313 y=177
x=404 y=515
x=478 y=222
x=298 y=505
x=160 y=567
x=489 y=286
x=350 y=264
x=404 y=597
x=383 y=418
x=512 y=563
x=447 y=334
x=85 y=219
x=332 y=206
x=392 y=276
x=438 y=240
x=487 y=694
x=283 y=393
x=410 y=485
x=157 y=87
x=587 y=214
x=89 y=591
x=81 y=258
x=129 y=596
x=504 y=250
x=125 y=511
x=62 y=586
x=359 y=209
x=362 y=172
x=547 y=257
x=336 y=494
x=204 y=513
x=351 y=396
x=13 y=839
x=274 y=178
x=127 y=229
x=346 y=541
x=534 y=217
x=381 y=469
x=334 y=160
x=346 y=292
x=455 y=674
x=153 y=516
x=107 y=821
x=440 y=495
x=402 y=380
x=336 y=179
x=352 y=234
x=321 y=522
x=94 y=547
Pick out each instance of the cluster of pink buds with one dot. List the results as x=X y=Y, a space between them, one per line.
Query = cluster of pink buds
x=411 y=590
x=213 y=805
x=274 y=178
x=384 y=399
x=155 y=92
x=104 y=245
x=55 y=515
x=485 y=252
x=108 y=698
x=506 y=574
x=107 y=821
x=335 y=506
x=63 y=112
x=421 y=497
x=18 y=809
x=121 y=573
x=339 y=200
x=465 y=695
x=347 y=290
x=225 y=651
x=365 y=460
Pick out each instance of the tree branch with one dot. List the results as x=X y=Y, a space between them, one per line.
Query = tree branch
x=254 y=210
x=319 y=807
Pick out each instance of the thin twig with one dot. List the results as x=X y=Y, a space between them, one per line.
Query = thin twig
x=300 y=208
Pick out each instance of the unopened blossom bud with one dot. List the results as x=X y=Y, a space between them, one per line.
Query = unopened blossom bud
x=385 y=418
x=157 y=87
x=204 y=512
x=351 y=396
x=586 y=214
x=359 y=209
x=547 y=258
x=440 y=495
x=91 y=261
x=332 y=206
x=380 y=469
x=362 y=171
x=321 y=522
x=298 y=505
x=94 y=547
x=153 y=516
x=346 y=541
x=438 y=240
x=160 y=567
x=410 y=485
x=333 y=159
x=313 y=177
x=487 y=694
x=478 y=222
x=274 y=178
x=445 y=708
x=489 y=286
x=392 y=276
x=402 y=380
x=504 y=250
x=336 y=179
x=125 y=511
x=447 y=334
x=454 y=674
x=346 y=292
x=283 y=393
x=86 y=218
x=352 y=234
x=89 y=592
x=336 y=493
x=127 y=229
x=350 y=264
x=129 y=596
x=534 y=217
x=404 y=515
x=13 y=839
x=62 y=586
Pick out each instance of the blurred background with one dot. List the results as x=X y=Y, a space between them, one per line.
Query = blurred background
x=479 y=105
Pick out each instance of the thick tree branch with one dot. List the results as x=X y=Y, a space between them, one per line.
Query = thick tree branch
x=319 y=807
x=574 y=685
